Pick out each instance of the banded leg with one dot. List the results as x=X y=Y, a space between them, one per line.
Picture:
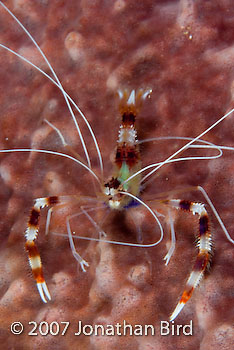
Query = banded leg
x=31 y=235
x=33 y=253
x=204 y=245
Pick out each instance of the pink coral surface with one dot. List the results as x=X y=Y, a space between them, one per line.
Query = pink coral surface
x=182 y=50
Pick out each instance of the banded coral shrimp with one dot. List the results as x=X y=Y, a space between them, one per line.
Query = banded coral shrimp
x=50 y=182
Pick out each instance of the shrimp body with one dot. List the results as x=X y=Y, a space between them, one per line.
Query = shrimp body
x=127 y=158
x=119 y=192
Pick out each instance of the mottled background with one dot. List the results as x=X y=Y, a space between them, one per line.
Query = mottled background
x=184 y=51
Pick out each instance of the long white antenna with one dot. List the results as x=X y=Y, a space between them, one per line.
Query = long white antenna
x=54 y=153
x=179 y=150
x=64 y=94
